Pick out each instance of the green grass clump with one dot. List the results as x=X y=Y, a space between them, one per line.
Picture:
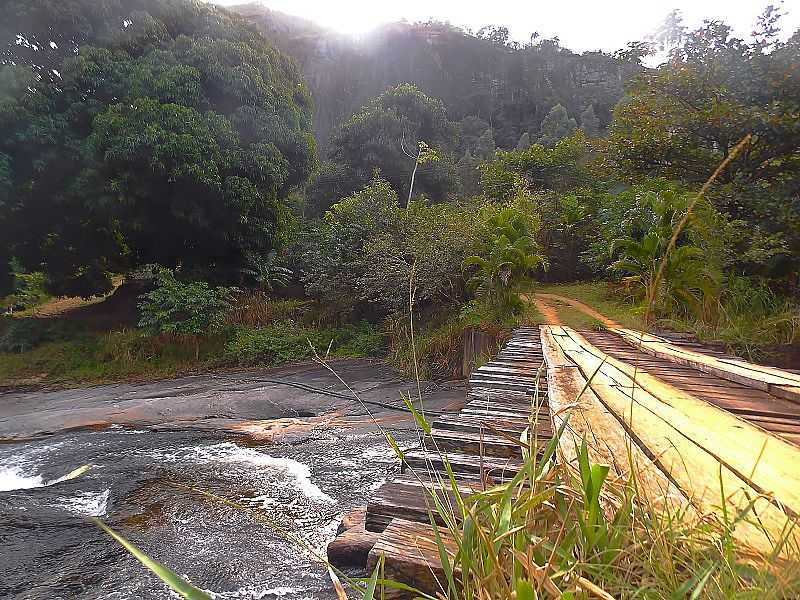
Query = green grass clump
x=91 y=357
x=565 y=531
x=438 y=340
x=287 y=341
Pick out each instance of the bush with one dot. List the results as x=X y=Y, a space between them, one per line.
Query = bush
x=288 y=341
x=186 y=309
x=192 y=308
x=360 y=257
x=28 y=289
x=23 y=335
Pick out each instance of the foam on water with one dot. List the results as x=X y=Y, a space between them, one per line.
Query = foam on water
x=256 y=593
x=12 y=478
x=232 y=454
x=90 y=504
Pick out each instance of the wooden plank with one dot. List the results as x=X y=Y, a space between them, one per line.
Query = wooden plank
x=411 y=556
x=607 y=440
x=784 y=384
x=404 y=500
x=705 y=450
x=481 y=443
x=496 y=467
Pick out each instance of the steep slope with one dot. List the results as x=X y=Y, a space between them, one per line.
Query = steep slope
x=509 y=87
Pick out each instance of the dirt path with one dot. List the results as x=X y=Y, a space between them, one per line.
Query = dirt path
x=550 y=314
x=546 y=310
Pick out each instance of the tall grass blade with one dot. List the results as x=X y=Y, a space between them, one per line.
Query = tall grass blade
x=172 y=579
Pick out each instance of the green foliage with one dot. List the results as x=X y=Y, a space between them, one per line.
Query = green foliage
x=556 y=126
x=752 y=320
x=70 y=354
x=27 y=289
x=287 y=341
x=384 y=135
x=690 y=282
x=363 y=254
x=332 y=254
x=507 y=261
x=683 y=118
x=23 y=335
x=175 y=307
x=560 y=168
x=170 y=139
x=267 y=271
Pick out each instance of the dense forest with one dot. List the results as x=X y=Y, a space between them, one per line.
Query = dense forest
x=484 y=78
x=191 y=195
x=174 y=142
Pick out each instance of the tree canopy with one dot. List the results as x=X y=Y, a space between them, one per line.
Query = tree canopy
x=143 y=131
x=384 y=135
x=681 y=120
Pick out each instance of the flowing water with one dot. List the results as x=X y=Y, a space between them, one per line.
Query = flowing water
x=141 y=483
x=162 y=489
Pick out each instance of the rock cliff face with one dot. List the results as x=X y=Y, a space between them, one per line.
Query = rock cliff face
x=510 y=88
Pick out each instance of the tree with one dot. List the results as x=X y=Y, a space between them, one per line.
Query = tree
x=385 y=135
x=559 y=169
x=524 y=142
x=556 y=126
x=332 y=253
x=690 y=280
x=681 y=120
x=150 y=131
x=495 y=34
x=485 y=146
x=469 y=175
x=506 y=262
x=589 y=122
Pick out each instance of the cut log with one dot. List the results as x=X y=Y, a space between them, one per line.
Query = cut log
x=607 y=440
x=411 y=556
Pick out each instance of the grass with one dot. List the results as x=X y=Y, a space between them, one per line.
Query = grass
x=567 y=532
x=599 y=296
x=438 y=345
x=95 y=357
x=58 y=353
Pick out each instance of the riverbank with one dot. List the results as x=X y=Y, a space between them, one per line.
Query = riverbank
x=290 y=446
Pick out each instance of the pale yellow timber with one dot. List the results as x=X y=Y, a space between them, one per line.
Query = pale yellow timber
x=784 y=384
x=607 y=441
x=708 y=452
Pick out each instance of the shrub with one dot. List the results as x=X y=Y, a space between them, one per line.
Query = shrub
x=506 y=262
x=22 y=335
x=360 y=258
x=288 y=341
x=188 y=309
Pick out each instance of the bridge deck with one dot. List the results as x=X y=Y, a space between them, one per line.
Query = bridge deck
x=689 y=435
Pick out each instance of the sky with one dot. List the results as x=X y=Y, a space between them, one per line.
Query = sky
x=581 y=25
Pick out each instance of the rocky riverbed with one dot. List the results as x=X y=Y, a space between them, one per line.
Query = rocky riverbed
x=237 y=481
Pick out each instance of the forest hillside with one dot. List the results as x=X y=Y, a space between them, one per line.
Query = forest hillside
x=506 y=85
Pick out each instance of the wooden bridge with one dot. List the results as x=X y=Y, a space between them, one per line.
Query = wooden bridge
x=694 y=424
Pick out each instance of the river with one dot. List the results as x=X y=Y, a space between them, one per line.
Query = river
x=236 y=482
